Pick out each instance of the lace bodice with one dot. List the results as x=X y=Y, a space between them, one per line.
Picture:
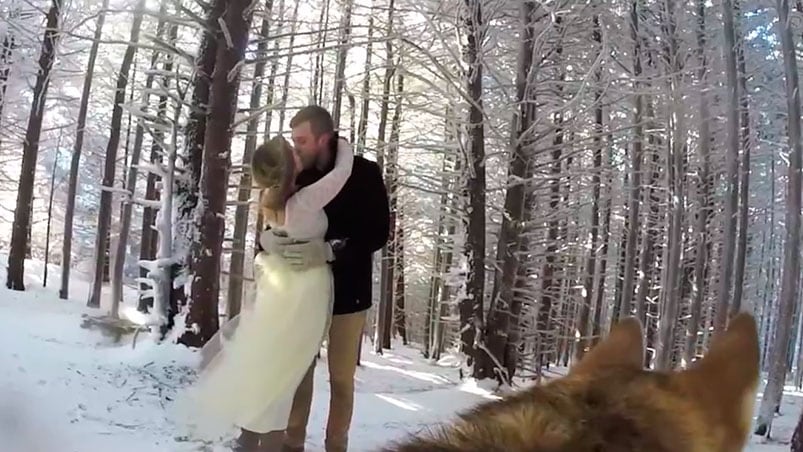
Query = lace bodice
x=304 y=217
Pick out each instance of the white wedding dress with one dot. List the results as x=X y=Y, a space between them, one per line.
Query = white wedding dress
x=252 y=367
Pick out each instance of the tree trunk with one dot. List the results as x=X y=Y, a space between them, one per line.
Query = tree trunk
x=51 y=195
x=396 y=224
x=744 y=167
x=596 y=182
x=185 y=226
x=271 y=85
x=237 y=263
x=704 y=192
x=320 y=70
x=365 y=94
x=75 y=162
x=132 y=176
x=509 y=250
x=105 y=209
x=9 y=44
x=732 y=171
x=449 y=206
x=288 y=66
x=677 y=201
x=550 y=280
x=384 y=312
x=797 y=436
x=400 y=317
x=22 y=214
x=202 y=318
x=471 y=307
x=647 y=254
x=625 y=303
x=342 y=56
x=791 y=260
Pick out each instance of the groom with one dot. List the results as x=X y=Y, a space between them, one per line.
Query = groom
x=358 y=226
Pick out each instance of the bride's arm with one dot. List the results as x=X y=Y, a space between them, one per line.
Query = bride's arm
x=319 y=194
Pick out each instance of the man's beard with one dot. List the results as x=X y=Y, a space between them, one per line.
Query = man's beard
x=308 y=161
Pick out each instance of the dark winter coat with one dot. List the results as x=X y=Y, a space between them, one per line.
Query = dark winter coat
x=360 y=215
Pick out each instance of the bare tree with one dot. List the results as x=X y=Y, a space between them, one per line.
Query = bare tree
x=500 y=320
x=732 y=171
x=362 y=127
x=472 y=307
x=185 y=226
x=671 y=294
x=236 y=265
x=702 y=237
x=202 y=318
x=625 y=301
x=744 y=168
x=342 y=57
x=110 y=166
x=385 y=311
x=132 y=176
x=791 y=261
x=15 y=278
x=75 y=161
x=583 y=327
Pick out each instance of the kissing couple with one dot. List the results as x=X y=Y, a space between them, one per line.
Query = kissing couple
x=327 y=213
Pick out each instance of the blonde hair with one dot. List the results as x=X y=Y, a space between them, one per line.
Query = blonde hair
x=273 y=170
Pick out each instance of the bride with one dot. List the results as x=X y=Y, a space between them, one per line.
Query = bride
x=251 y=368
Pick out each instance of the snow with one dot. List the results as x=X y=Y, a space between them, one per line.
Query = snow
x=90 y=393
x=72 y=389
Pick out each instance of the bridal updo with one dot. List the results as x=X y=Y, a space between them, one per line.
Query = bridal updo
x=273 y=170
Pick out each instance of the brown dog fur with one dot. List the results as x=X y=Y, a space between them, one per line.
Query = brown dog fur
x=609 y=403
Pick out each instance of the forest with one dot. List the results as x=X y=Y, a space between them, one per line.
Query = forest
x=552 y=166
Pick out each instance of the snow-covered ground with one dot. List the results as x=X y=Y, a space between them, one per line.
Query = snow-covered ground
x=70 y=389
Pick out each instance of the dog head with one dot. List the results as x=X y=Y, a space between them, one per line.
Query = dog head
x=609 y=402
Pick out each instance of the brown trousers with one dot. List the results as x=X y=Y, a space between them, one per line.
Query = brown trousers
x=345 y=334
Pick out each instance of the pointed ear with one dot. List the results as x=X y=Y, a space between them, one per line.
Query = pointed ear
x=725 y=380
x=624 y=347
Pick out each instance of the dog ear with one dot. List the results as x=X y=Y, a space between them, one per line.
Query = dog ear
x=725 y=380
x=624 y=347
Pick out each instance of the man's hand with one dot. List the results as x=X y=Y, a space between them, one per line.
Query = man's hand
x=272 y=243
x=300 y=255
x=304 y=255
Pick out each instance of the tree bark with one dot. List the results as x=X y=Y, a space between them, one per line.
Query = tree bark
x=797 y=436
x=131 y=182
x=384 y=312
x=704 y=192
x=625 y=303
x=75 y=161
x=471 y=307
x=677 y=201
x=202 y=318
x=396 y=225
x=550 y=280
x=362 y=127
x=237 y=263
x=105 y=210
x=342 y=56
x=15 y=277
x=509 y=251
x=732 y=172
x=744 y=169
x=779 y=346
x=288 y=66
x=596 y=183
x=185 y=226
